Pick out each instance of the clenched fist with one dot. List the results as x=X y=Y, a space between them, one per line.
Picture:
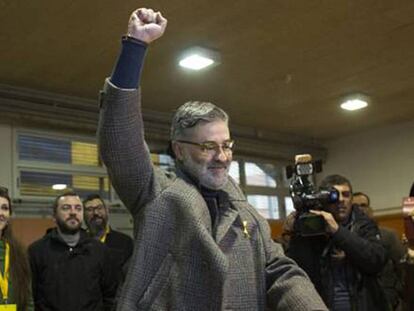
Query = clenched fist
x=146 y=25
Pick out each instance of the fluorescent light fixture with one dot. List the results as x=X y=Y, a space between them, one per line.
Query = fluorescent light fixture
x=59 y=186
x=354 y=104
x=196 y=62
x=197 y=58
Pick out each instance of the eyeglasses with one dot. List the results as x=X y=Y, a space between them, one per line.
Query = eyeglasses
x=211 y=146
x=91 y=209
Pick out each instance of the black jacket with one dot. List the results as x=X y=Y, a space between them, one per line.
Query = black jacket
x=71 y=278
x=392 y=275
x=365 y=257
x=120 y=246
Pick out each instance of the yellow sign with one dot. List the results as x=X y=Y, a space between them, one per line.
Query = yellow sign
x=8 y=307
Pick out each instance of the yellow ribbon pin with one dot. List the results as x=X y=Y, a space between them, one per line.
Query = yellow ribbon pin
x=246 y=233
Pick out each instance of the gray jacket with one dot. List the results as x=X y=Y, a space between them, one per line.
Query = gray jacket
x=179 y=263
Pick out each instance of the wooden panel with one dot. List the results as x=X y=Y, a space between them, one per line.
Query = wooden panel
x=28 y=230
x=276 y=228
x=394 y=221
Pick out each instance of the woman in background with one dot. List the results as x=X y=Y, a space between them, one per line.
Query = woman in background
x=15 y=287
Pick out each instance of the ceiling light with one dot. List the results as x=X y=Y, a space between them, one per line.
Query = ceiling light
x=354 y=104
x=59 y=186
x=197 y=58
x=196 y=62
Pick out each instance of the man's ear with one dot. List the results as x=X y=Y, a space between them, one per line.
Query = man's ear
x=177 y=149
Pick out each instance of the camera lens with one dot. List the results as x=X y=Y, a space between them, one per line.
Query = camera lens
x=333 y=196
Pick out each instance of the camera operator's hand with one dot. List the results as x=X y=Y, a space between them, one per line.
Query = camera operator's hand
x=331 y=224
x=146 y=25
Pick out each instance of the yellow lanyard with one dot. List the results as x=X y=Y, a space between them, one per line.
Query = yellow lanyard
x=103 y=237
x=4 y=278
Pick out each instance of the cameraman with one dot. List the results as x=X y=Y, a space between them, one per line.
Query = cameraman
x=344 y=261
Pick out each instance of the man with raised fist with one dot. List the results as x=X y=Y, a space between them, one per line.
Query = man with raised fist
x=199 y=244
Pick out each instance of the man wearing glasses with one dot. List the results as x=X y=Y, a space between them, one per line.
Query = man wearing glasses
x=344 y=262
x=199 y=244
x=120 y=245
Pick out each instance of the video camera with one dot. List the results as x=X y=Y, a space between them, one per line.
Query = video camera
x=305 y=197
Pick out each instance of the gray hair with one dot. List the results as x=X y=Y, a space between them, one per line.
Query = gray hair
x=189 y=114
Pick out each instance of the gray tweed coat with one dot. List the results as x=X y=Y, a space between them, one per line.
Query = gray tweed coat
x=178 y=262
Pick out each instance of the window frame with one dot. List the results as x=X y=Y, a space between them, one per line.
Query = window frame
x=51 y=167
x=280 y=191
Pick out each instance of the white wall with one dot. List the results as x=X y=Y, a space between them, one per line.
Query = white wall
x=379 y=162
x=6 y=161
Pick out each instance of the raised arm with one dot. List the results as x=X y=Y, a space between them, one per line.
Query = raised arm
x=121 y=132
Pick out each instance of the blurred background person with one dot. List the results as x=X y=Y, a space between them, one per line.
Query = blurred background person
x=408 y=266
x=96 y=216
x=14 y=264
x=391 y=276
x=342 y=260
x=70 y=270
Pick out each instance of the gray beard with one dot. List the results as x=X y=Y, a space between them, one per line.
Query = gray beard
x=202 y=177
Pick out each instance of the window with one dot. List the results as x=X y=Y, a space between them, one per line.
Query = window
x=260 y=176
x=265 y=186
x=266 y=205
x=48 y=165
x=164 y=161
x=45 y=163
x=41 y=184
x=235 y=171
x=289 y=207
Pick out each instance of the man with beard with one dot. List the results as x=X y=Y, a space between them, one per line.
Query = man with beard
x=199 y=244
x=391 y=276
x=120 y=245
x=70 y=271
x=344 y=262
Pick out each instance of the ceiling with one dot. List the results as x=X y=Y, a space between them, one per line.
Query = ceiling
x=285 y=65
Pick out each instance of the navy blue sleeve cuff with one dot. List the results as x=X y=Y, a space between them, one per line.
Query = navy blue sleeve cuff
x=127 y=71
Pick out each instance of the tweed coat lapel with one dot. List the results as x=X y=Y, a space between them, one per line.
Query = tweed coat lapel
x=228 y=215
x=232 y=199
x=229 y=208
